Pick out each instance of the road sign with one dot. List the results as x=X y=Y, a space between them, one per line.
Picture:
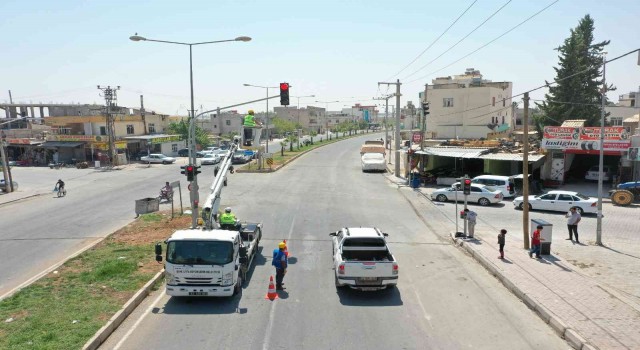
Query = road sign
x=417 y=137
x=267 y=155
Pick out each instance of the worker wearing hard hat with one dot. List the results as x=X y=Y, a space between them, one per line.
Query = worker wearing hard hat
x=280 y=262
x=249 y=122
x=228 y=219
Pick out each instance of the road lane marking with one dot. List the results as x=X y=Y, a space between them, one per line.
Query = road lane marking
x=139 y=320
x=272 y=312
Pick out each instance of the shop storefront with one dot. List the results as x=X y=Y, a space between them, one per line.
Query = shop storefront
x=573 y=150
x=26 y=151
x=165 y=144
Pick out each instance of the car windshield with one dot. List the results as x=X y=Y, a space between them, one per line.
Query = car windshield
x=199 y=252
x=582 y=196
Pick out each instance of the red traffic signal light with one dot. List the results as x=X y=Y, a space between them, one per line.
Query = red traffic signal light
x=467 y=182
x=284 y=94
x=190 y=168
x=466 y=189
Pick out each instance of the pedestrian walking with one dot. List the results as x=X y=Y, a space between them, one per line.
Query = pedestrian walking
x=535 y=242
x=471 y=222
x=572 y=223
x=501 y=238
x=280 y=262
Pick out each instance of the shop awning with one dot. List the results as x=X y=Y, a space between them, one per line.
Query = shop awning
x=57 y=144
x=517 y=157
x=454 y=152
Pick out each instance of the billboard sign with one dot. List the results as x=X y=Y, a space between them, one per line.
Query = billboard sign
x=616 y=138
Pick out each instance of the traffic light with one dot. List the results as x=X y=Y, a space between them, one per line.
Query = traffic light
x=197 y=170
x=284 y=94
x=425 y=108
x=188 y=170
x=467 y=186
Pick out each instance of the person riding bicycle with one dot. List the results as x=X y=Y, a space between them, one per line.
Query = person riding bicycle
x=60 y=185
x=228 y=220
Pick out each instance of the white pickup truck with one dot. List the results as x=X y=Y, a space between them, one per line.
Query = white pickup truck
x=362 y=259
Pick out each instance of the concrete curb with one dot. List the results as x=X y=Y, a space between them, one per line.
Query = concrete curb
x=570 y=335
x=114 y=322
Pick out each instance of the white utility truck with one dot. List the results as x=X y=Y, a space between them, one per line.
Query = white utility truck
x=210 y=261
x=362 y=259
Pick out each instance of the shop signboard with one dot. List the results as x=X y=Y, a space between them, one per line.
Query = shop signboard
x=616 y=138
x=77 y=138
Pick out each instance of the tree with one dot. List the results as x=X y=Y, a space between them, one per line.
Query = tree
x=577 y=94
x=182 y=128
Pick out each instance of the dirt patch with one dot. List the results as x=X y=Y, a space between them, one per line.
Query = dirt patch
x=141 y=232
x=581 y=265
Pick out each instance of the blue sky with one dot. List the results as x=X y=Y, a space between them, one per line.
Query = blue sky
x=58 y=51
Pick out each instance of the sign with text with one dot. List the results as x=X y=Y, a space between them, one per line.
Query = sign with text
x=585 y=139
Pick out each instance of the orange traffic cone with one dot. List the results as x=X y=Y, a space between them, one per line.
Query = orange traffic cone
x=271 y=293
x=286 y=252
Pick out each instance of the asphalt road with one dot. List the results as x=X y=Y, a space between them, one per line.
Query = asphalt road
x=444 y=300
x=43 y=230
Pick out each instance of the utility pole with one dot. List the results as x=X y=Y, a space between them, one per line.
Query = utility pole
x=111 y=99
x=386 y=112
x=143 y=114
x=525 y=173
x=423 y=125
x=397 y=134
x=601 y=158
x=8 y=184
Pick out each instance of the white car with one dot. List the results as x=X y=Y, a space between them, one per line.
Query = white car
x=594 y=172
x=560 y=201
x=210 y=159
x=373 y=162
x=483 y=195
x=3 y=184
x=221 y=152
x=157 y=158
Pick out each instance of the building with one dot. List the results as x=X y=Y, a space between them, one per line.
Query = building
x=468 y=106
x=625 y=108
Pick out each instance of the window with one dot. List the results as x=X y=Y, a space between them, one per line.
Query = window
x=548 y=197
x=152 y=128
x=174 y=147
x=493 y=102
x=504 y=102
x=447 y=102
x=227 y=122
x=129 y=129
x=476 y=189
x=103 y=130
x=215 y=126
x=565 y=197
x=616 y=121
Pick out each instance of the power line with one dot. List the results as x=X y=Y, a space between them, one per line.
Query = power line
x=433 y=42
x=545 y=85
x=459 y=41
x=487 y=44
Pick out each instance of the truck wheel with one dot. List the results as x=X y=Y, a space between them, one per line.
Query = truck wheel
x=622 y=197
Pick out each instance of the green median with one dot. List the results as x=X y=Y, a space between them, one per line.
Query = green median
x=65 y=308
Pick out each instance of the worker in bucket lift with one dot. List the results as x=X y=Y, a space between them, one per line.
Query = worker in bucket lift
x=228 y=220
x=249 y=122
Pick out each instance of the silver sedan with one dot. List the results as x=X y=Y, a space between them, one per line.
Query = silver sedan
x=373 y=162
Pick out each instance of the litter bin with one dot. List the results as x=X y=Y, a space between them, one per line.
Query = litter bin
x=546 y=235
x=415 y=181
x=147 y=205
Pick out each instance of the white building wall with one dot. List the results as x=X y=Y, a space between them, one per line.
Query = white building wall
x=473 y=109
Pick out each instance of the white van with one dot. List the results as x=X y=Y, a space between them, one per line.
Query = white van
x=505 y=184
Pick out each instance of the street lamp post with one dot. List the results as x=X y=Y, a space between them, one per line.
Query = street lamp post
x=326 y=104
x=193 y=193
x=267 y=121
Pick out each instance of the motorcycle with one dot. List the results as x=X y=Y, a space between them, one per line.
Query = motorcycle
x=165 y=195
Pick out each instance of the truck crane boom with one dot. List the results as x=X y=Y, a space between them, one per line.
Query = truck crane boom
x=212 y=204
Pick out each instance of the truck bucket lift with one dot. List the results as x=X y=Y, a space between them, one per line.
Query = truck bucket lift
x=251 y=135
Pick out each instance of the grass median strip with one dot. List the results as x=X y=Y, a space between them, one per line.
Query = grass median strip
x=65 y=308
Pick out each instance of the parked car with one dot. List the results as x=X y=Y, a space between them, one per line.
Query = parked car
x=138 y=155
x=3 y=184
x=221 y=152
x=239 y=157
x=157 y=158
x=373 y=162
x=593 y=173
x=505 y=184
x=559 y=201
x=481 y=194
x=184 y=152
x=210 y=159
x=212 y=148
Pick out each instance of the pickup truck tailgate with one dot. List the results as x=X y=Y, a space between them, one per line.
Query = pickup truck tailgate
x=368 y=269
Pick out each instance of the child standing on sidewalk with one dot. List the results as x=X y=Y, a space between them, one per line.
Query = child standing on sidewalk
x=535 y=242
x=501 y=237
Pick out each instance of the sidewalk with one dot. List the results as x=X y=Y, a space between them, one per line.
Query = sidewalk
x=580 y=308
